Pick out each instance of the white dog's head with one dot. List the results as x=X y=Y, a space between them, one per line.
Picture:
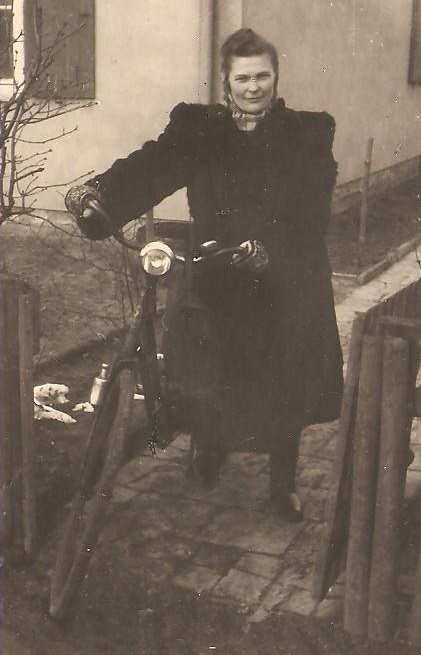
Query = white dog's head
x=51 y=393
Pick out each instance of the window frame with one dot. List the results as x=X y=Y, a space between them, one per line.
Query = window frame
x=7 y=7
x=8 y=85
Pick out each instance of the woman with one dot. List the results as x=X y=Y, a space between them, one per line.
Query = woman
x=260 y=174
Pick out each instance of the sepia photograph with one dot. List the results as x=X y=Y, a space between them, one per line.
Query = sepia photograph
x=210 y=327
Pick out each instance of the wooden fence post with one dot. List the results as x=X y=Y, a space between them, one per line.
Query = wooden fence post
x=5 y=428
x=26 y=377
x=19 y=312
x=390 y=489
x=396 y=321
x=10 y=439
x=364 y=477
x=335 y=536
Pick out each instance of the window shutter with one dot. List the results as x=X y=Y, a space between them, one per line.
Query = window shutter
x=30 y=31
x=69 y=24
x=414 y=75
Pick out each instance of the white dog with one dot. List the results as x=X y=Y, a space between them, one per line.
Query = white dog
x=54 y=394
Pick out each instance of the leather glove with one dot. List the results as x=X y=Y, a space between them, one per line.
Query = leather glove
x=254 y=259
x=77 y=198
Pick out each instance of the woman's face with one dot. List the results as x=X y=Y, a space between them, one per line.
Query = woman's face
x=252 y=82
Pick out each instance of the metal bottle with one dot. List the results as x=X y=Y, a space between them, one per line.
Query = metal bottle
x=98 y=386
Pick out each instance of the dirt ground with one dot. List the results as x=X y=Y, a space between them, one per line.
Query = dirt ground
x=393 y=218
x=127 y=606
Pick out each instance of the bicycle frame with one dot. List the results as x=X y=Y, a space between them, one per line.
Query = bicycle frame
x=109 y=443
x=139 y=352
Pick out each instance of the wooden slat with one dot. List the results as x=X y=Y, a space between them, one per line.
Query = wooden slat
x=150 y=226
x=364 y=195
x=334 y=538
x=17 y=285
x=390 y=489
x=25 y=305
x=410 y=330
x=407 y=301
x=6 y=459
x=19 y=303
x=11 y=408
x=363 y=501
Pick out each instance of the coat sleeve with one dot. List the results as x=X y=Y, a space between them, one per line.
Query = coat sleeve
x=318 y=173
x=303 y=218
x=135 y=184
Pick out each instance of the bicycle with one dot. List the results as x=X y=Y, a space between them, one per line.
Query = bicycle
x=113 y=396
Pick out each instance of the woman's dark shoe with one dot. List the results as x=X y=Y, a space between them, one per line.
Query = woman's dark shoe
x=288 y=507
x=203 y=467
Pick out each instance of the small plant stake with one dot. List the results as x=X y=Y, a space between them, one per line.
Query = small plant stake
x=362 y=235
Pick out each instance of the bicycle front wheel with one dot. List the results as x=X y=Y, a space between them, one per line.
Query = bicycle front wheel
x=101 y=463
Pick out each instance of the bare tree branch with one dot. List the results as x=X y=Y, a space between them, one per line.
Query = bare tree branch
x=34 y=172
x=33 y=155
x=63 y=133
x=21 y=111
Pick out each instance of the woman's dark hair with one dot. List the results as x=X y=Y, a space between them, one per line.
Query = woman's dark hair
x=246 y=43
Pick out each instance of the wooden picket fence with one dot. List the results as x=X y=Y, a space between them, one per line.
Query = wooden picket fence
x=19 y=330
x=365 y=510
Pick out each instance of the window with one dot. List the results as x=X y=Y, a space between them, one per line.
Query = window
x=6 y=49
x=57 y=35
x=11 y=42
x=414 y=76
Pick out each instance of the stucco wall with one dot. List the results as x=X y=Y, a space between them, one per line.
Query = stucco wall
x=146 y=62
x=349 y=57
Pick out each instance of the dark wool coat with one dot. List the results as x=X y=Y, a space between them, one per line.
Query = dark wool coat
x=279 y=346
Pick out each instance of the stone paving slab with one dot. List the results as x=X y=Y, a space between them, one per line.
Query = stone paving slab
x=244 y=587
x=266 y=566
x=250 y=531
x=199 y=578
x=273 y=597
x=229 y=542
x=218 y=558
x=10 y=644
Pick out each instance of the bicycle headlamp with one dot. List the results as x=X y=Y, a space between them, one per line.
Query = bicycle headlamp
x=156 y=258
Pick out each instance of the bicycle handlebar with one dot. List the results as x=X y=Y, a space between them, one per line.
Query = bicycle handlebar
x=220 y=252
x=215 y=253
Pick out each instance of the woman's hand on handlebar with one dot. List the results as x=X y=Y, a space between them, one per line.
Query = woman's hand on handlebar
x=253 y=258
x=250 y=256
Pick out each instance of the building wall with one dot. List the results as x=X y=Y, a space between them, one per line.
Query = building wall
x=147 y=60
x=349 y=57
